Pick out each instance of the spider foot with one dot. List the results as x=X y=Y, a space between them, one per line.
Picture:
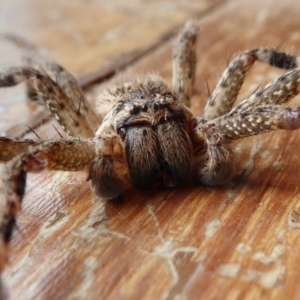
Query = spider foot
x=218 y=167
x=11 y=195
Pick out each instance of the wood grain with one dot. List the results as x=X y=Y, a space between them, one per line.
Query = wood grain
x=236 y=242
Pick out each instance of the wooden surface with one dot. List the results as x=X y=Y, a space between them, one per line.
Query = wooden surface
x=236 y=242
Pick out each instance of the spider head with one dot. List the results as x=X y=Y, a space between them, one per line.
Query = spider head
x=143 y=140
x=151 y=123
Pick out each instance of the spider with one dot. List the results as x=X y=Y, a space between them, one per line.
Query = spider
x=148 y=138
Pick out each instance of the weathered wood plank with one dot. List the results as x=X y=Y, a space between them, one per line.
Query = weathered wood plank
x=234 y=242
x=83 y=37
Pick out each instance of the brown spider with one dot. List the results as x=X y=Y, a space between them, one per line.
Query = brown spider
x=149 y=137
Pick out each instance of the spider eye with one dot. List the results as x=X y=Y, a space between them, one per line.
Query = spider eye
x=122 y=133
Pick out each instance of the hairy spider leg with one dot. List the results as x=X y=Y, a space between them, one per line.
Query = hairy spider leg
x=64 y=154
x=261 y=112
x=184 y=62
x=256 y=114
x=62 y=108
x=223 y=97
x=68 y=84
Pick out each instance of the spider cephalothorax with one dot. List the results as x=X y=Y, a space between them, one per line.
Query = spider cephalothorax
x=151 y=127
x=144 y=134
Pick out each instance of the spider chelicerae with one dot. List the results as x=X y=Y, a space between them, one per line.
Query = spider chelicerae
x=148 y=137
